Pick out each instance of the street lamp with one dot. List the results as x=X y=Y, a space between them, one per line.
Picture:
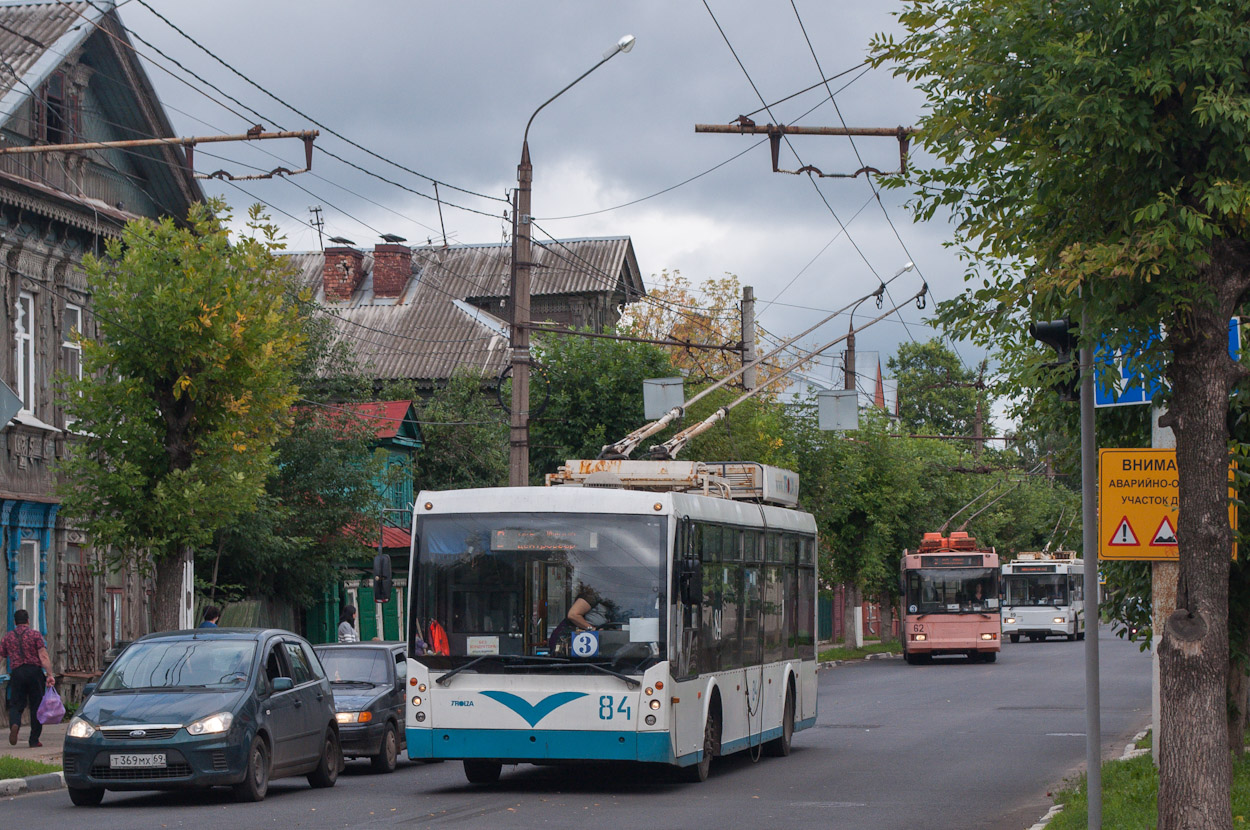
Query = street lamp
x=848 y=367
x=519 y=300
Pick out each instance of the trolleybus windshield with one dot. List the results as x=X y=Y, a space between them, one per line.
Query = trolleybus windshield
x=1036 y=589
x=951 y=590
x=501 y=586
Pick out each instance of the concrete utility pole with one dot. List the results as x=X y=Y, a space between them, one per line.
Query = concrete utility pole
x=1089 y=548
x=748 y=338
x=519 y=295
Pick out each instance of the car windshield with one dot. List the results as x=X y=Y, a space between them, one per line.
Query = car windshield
x=359 y=665
x=196 y=664
x=951 y=590
x=1036 y=589
x=503 y=585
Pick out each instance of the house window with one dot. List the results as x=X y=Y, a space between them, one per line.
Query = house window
x=54 y=115
x=28 y=579
x=25 y=350
x=71 y=352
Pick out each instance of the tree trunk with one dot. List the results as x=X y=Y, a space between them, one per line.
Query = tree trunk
x=887 y=619
x=1237 y=689
x=1195 y=773
x=169 y=595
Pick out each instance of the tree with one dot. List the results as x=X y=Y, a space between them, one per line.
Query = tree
x=935 y=391
x=588 y=393
x=1093 y=155
x=465 y=437
x=185 y=392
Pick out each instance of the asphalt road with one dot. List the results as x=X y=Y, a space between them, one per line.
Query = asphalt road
x=947 y=745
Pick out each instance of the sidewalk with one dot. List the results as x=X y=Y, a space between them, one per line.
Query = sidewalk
x=53 y=738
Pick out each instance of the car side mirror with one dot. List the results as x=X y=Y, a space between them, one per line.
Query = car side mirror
x=691 y=581
x=283 y=684
x=88 y=690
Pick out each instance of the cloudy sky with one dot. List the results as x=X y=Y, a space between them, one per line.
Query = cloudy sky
x=445 y=89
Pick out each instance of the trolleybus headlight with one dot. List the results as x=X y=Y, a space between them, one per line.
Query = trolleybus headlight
x=648 y=691
x=987 y=636
x=421 y=688
x=1060 y=620
x=650 y=720
x=416 y=700
x=420 y=717
x=1010 y=620
x=920 y=637
x=655 y=704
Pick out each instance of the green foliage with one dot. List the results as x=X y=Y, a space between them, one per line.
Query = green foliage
x=895 y=647
x=935 y=392
x=188 y=387
x=593 y=392
x=466 y=437
x=11 y=767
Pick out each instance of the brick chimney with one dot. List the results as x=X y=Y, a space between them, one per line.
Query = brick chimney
x=392 y=266
x=343 y=271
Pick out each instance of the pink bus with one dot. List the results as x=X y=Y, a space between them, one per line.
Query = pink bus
x=950 y=599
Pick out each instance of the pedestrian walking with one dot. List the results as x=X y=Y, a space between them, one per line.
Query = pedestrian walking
x=30 y=671
x=347 y=625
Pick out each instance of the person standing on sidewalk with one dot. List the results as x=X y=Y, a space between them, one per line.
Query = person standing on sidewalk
x=30 y=670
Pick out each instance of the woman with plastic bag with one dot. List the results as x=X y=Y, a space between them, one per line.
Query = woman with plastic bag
x=30 y=671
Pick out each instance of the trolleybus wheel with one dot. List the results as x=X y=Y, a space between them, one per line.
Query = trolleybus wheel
x=1080 y=635
x=989 y=656
x=1072 y=637
x=1015 y=638
x=482 y=772
x=780 y=747
x=711 y=746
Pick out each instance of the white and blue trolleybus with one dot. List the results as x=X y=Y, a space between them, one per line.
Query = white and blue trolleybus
x=693 y=587
x=1044 y=596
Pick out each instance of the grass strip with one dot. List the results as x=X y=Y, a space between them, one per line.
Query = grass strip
x=11 y=767
x=842 y=653
x=1129 y=792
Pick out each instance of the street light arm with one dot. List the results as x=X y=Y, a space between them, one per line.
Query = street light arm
x=611 y=54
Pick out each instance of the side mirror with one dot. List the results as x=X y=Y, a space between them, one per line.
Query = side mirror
x=88 y=690
x=283 y=684
x=691 y=581
x=383 y=584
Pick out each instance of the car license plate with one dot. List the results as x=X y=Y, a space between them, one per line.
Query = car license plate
x=152 y=759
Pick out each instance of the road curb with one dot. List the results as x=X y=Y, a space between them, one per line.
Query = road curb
x=1130 y=751
x=32 y=784
x=883 y=655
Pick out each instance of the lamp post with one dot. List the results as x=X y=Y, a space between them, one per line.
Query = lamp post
x=519 y=300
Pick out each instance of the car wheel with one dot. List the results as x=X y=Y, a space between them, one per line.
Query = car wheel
x=482 y=772
x=327 y=771
x=255 y=781
x=86 y=797
x=780 y=747
x=1015 y=638
x=388 y=754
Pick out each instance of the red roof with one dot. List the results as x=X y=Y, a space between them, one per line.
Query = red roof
x=385 y=416
x=395 y=537
x=392 y=537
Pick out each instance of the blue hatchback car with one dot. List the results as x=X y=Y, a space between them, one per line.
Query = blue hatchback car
x=205 y=707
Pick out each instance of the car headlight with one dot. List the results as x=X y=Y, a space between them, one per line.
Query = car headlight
x=353 y=717
x=211 y=725
x=80 y=728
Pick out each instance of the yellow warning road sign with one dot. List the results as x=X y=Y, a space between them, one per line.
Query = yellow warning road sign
x=1137 y=501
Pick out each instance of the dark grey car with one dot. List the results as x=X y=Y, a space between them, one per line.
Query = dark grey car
x=368 y=680
x=205 y=707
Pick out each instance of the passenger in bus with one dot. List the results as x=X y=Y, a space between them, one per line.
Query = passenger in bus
x=576 y=619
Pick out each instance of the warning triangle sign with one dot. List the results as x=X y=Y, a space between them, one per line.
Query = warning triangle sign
x=1124 y=535
x=1165 y=536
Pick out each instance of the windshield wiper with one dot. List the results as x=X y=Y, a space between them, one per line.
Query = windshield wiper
x=506 y=659
x=629 y=681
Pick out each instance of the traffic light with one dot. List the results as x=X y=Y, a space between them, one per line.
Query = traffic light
x=1060 y=335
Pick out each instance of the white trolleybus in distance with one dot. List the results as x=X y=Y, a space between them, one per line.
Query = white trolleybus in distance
x=1044 y=596
x=648 y=611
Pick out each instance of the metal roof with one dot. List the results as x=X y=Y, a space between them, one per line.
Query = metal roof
x=423 y=335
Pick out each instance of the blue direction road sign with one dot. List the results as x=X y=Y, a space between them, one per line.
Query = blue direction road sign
x=1129 y=388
